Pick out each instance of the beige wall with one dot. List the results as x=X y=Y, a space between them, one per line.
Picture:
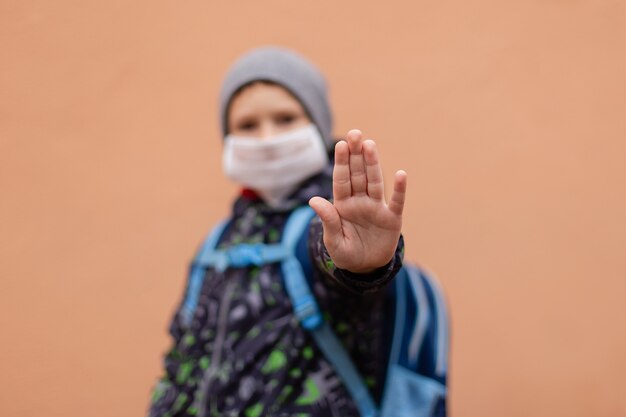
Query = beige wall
x=510 y=118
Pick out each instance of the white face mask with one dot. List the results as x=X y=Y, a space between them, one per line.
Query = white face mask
x=275 y=166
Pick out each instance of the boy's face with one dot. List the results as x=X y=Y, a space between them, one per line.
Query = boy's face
x=263 y=110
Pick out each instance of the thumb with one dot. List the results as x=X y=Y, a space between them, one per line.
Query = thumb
x=328 y=214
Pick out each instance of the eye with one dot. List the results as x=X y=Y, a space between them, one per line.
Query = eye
x=247 y=125
x=286 y=118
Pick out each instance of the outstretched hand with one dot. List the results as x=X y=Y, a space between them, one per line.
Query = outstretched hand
x=361 y=230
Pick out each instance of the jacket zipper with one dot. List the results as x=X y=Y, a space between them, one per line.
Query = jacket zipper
x=216 y=356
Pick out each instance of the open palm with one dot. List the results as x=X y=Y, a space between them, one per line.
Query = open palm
x=361 y=230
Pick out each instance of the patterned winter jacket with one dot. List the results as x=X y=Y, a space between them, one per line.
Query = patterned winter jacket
x=245 y=354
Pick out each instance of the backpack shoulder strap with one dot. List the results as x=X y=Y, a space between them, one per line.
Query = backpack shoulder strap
x=418 y=293
x=439 y=322
x=296 y=225
x=196 y=275
x=307 y=311
x=422 y=331
x=399 y=284
x=302 y=300
x=341 y=362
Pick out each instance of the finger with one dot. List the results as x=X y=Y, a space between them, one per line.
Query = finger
x=358 y=178
x=375 y=186
x=328 y=213
x=399 y=192
x=341 y=173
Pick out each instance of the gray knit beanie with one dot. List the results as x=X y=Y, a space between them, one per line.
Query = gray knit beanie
x=287 y=69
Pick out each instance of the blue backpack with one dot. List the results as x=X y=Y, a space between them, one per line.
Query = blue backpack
x=415 y=384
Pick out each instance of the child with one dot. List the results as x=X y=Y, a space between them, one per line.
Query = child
x=243 y=352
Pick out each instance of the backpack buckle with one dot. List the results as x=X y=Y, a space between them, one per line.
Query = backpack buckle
x=307 y=312
x=245 y=255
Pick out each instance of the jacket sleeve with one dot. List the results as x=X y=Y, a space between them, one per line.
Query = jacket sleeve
x=353 y=282
x=173 y=395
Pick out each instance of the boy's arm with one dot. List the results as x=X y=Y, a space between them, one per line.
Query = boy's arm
x=361 y=232
x=173 y=395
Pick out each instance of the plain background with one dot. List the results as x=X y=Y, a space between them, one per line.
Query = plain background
x=510 y=118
